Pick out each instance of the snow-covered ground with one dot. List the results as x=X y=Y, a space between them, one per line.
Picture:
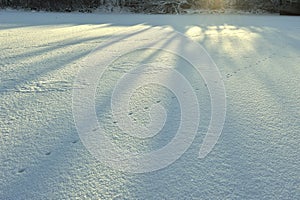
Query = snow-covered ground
x=256 y=157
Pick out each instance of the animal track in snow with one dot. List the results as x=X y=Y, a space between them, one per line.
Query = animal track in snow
x=229 y=75
x=20 y=171
x=42 y=86
x=49 y=86
x=75 y=141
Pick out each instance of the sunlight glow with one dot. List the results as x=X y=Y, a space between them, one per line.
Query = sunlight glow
x=225 y=37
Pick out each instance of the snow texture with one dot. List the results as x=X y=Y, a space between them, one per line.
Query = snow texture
x=42 y=157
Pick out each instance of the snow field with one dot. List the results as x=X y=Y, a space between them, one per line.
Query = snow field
x=42 y=157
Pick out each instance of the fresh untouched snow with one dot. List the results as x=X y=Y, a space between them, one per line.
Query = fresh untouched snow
x=42 y=156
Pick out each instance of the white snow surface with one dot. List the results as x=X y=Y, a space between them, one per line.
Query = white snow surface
x=256 y=157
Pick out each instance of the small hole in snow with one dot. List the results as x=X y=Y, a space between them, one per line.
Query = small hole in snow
x=75 y=141
x=21 y=170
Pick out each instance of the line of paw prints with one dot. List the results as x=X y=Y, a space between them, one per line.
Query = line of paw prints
x=257 y=63
x=228 y=76
x=45 y=153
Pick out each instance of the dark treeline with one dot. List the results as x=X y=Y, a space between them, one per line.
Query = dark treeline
x=150 y=6
x=65 y=5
